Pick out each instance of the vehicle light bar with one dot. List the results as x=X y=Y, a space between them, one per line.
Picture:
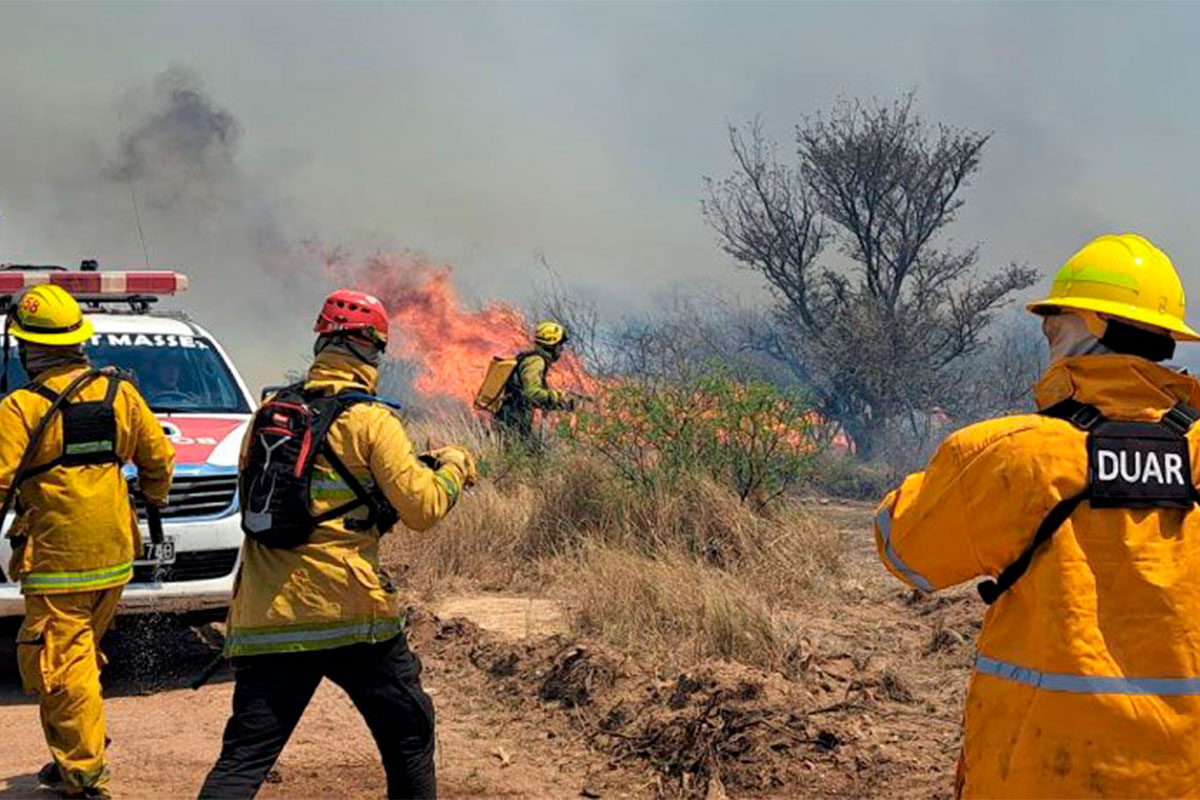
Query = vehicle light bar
x=108 y=284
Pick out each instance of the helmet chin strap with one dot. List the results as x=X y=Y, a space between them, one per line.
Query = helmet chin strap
x=8 y=318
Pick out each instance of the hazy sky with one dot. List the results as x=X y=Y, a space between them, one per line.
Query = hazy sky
x=484 y=134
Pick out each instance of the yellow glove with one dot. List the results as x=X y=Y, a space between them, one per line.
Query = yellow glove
x=459 y=458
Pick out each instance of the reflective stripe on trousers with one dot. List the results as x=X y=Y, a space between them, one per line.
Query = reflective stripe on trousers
x=87 y=580
x=1085 y=684
x=884 y=520
x=293 y=638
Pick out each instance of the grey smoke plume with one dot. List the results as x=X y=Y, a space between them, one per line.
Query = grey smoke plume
x=179 y=152
x=68 y=192
x=182 y=147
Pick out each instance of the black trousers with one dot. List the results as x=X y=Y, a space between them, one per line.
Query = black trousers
x=271 y=692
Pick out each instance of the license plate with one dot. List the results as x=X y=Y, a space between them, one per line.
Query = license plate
x=163 y=553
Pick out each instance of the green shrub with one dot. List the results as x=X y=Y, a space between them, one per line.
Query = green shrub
x=841 y=474
x=751 y=436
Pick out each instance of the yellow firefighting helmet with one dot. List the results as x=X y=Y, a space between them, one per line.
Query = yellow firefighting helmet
x=550 y=334
x=47 y=314
x=1122 y=276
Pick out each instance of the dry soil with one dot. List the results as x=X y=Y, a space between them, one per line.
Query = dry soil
x=870 y=706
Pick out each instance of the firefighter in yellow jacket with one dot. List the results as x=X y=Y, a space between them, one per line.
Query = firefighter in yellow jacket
x=320 y=607
x=1087 y=676
x=528 y=391
x=75 y=535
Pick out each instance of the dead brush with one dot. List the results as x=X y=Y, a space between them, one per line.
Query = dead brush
x=718 y=736
x=681 y=571
x=670 y=608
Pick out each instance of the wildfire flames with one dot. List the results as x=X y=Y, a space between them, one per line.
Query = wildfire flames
x=450 y=344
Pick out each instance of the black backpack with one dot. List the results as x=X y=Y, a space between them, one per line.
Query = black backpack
x=1140 y=465
x=89 y=431
x=89 y=428
x=287 y=434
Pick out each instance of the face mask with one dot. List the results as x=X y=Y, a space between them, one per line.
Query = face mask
x=1070 y=335
x=348 y=346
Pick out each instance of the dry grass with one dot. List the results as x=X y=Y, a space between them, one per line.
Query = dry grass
x=679 y=574
x=671 y=608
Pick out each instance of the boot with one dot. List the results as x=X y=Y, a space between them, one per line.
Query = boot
x=50 y=777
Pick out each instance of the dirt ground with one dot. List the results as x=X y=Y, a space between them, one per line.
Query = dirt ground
x=870 y=707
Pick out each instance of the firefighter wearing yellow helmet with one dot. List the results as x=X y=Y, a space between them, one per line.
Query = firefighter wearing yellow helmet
x=1082 y=518
x=65 y=438
x=527 y=389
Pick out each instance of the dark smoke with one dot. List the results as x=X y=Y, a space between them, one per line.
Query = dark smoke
x=179 y=152
x=181 y=146
x=67 y=192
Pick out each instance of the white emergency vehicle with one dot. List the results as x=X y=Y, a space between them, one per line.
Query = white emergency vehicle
x=204 y=407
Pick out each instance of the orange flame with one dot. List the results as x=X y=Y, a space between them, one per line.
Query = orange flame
x=450 y=344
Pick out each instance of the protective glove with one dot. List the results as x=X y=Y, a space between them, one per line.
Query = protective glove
x=459 y=458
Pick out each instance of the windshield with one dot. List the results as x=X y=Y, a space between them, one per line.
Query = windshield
x=183 y=374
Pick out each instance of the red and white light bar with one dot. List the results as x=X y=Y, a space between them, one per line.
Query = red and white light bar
x=113 y=284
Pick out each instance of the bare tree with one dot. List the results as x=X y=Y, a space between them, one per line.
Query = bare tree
x=999 y=378
x=689 y=333
x=553 y=300
x=873 y=313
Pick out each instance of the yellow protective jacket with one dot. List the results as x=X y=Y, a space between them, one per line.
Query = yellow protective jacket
x=329 y=592
x=527 y=391
x=79 y=527
x=531 y=377
x=1087 y=676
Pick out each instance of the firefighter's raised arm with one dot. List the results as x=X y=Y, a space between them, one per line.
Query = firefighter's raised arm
x=420 y=494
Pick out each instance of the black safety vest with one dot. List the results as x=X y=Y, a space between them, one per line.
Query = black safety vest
x=89 y=428
x=1130 y=465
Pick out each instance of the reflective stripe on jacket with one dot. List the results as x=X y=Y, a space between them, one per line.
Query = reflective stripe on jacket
x=1087 y=679
x=329 y=592
x=81 y=532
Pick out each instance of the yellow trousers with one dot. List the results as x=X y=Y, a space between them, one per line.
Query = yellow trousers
x=60 y=662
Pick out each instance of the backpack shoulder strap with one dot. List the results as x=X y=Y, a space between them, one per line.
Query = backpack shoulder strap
x=1180 y=418
x=66 y=404
x=114 y=383
x=515 y=379
x=353 y=397
x=1085 y=417
x=1081 y=415
x=292 y=390
x=23 y=471
x=42 y=390
x=377 y=506
x=990 y=590
x=526 y=355
x=114 y=376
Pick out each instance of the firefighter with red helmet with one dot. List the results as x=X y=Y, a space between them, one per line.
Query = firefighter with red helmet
x=323 y=608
